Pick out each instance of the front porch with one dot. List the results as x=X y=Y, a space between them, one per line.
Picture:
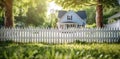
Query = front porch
x=68 y=25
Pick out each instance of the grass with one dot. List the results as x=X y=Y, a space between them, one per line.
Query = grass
x=59 y=51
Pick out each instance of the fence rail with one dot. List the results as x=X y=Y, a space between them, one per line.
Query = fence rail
x=36 y=35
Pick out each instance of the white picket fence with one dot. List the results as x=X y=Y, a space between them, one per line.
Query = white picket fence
x=37 y=35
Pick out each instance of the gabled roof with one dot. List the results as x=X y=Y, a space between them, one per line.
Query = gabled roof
x=115 y=16
x=81 y=14
x=61 y=13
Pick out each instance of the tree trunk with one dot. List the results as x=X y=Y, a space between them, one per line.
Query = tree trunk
x=8 y=22
x=99 y=15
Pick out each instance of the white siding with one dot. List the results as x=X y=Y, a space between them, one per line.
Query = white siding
x=114 y=25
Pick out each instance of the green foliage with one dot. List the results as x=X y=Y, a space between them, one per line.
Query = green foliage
x=111 y=21
x=1 y=13
x=30 y=12
x=91 y=25
x=21 y=6
x=51 y=20
x=108 y=12
x=90 y=14
x=110 y=3
x=1 y=21
x=34 y=18
x=75 y=4
x=65 y=51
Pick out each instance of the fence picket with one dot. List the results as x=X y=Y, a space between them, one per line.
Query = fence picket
x=48 y=35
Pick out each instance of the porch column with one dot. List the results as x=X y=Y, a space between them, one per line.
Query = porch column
x=58 y=25
x=76 y=25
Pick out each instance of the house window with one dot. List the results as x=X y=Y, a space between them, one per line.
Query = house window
x=69 y=17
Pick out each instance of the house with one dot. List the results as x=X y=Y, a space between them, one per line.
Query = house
x=70 y=19
x=115 y=24
x=117 y=15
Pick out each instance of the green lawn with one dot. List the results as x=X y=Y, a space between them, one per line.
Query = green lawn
x=59 y=51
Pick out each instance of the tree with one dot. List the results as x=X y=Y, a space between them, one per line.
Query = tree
x=99 y=14
x=1 y=13
x=7 y=6
x=8 y=13
x=100 y=4
x=36 y=14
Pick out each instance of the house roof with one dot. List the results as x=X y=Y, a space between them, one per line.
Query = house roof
x=61 y=13
x=114 y=24
x=81 y=14
x=115 y=16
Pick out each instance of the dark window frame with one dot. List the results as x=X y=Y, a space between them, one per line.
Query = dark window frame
x=69 y=17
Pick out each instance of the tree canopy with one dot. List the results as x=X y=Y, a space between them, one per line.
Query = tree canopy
x=77 y=4
x=6 y=12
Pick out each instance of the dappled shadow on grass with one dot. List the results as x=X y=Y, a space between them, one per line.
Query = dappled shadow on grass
x=84 y=42
x=6 y=43
x=59 y=51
